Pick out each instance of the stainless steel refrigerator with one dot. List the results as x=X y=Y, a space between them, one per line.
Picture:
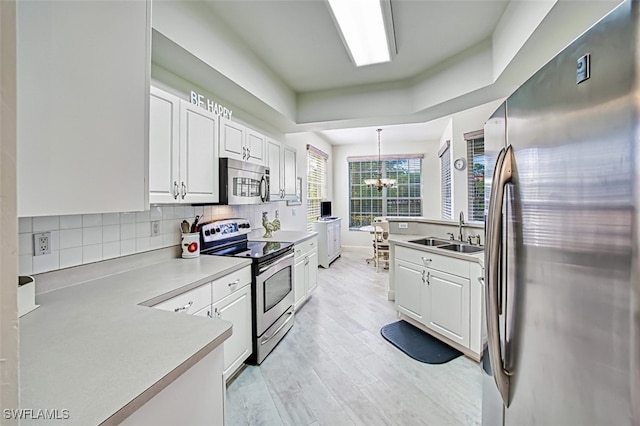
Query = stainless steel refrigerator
x=561 y=256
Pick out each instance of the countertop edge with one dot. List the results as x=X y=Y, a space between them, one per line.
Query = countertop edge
x=478 y=225
x=175 y=292
x=135 y=404
x=475 y=257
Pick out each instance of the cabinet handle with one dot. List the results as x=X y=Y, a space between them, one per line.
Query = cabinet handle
x=184 y=189
x=306 y=260
x=216 y=312
x=311 y=244
x=423 y=279
x=184 y=308
x=209 y=314
x=244 y=153
x=428 y=278
x=298 y=251
x=248 y=153
x=426 y=259
x=176 y=190
x=236 y=282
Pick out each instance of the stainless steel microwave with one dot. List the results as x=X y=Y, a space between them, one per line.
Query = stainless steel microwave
x=243 y=183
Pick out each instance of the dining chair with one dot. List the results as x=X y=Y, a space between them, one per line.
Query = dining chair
x=380 y=243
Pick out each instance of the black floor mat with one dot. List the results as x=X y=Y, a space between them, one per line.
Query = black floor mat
x=418 y=344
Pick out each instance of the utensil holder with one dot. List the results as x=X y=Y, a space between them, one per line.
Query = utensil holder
x=190 y=244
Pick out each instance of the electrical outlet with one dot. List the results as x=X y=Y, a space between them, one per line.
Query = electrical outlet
x=403 y=225
x=41 y=243
x=155 y=228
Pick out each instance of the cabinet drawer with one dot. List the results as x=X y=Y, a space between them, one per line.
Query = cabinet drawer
x=222 y=287
x=447 y=264
x=305 y=247
x=189 y=302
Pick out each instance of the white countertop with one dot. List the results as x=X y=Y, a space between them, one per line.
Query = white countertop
x=403 y=240
x=94 y=350
x=282 y=236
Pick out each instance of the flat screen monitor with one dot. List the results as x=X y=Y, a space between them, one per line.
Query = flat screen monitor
x=325 y=208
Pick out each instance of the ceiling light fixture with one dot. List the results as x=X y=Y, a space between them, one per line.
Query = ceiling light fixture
x=366 y=28
x=380 y=182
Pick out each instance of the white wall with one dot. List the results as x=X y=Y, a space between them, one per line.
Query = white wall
x=430 y=183
x=464 y=122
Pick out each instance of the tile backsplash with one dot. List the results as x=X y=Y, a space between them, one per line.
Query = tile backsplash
x=81 y=239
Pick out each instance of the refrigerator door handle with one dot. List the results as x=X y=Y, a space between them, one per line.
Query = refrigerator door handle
x=502 y=175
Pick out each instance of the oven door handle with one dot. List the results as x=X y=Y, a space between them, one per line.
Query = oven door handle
x=265 y=341
x=266 y=268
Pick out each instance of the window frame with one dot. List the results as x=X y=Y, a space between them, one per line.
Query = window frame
x=373 y=203
x=475 y=175
x=315 y=157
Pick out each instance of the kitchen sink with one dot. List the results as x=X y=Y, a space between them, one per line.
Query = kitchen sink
x=434 y=242
x=461 y=248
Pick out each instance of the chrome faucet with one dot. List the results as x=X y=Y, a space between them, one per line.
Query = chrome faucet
x=460 y=225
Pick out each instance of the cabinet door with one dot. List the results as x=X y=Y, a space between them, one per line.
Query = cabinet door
x=232 y=139
x=274 y=164
x=448 y=306
x=312 y=269
x=299 y=284
x=331 y=236
x=255 y=144
x=83 y=106
x=164 y=147
x=198 y=157
x=410 y=290
x=289 y=173
x=236 y=308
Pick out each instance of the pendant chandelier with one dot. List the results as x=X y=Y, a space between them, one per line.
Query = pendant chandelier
x=380 y=182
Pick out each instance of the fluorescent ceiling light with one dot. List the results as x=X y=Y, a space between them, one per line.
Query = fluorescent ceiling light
x=362 y=26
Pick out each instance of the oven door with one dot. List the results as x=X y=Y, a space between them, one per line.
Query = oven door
x=247 y=186
x=274 y=292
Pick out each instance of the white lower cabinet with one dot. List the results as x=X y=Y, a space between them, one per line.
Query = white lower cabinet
x=196 y=397
x=441 y=293
x=305 y=270
x=227 y=298
x=329 y=240
x=235 y=308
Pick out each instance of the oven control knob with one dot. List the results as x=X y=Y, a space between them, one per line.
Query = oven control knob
x=206 y=232
x=217 y=229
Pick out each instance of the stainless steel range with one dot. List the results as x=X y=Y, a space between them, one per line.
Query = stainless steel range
x=272 y=279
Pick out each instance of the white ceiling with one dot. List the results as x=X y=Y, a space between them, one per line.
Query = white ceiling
x=452 y=55
x=299 y=41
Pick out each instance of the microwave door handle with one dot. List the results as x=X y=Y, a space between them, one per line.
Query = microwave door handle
x=502 y=175
x=264 y=190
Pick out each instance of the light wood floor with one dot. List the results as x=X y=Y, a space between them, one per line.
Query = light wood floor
x=334 y=368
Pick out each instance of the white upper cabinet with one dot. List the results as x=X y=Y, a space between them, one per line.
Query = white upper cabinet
x=241 y=143
x=182 y=151
x=289 y=167
x=274 y=159
x=232 y=140
x=198 y=158
x=256 y=146
x=83 y=106
x=164 y=147
x=281 y=161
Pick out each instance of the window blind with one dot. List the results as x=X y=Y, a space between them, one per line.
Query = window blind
x=475 y=173
x=445 y=182
x=316 y=183
x=403 y=199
